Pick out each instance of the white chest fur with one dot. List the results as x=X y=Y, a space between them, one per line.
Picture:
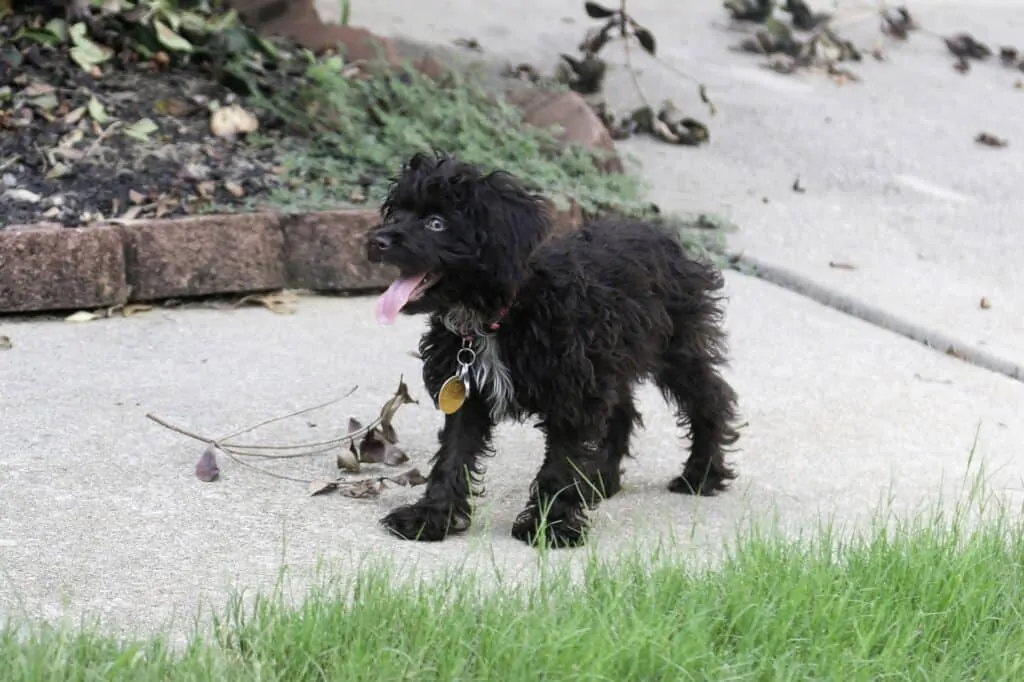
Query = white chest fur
x=490 y=373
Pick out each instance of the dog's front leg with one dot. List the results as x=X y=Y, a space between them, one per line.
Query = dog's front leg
x=444 y=507
x=568 y=481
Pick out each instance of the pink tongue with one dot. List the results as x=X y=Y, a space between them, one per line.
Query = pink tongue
x=397 y=295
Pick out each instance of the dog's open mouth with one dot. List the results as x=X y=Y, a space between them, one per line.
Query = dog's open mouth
x=404 y=289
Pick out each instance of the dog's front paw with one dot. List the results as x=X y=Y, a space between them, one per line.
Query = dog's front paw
x=425 y=521
x=560 y=529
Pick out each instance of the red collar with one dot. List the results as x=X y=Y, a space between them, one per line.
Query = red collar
x=494 y=326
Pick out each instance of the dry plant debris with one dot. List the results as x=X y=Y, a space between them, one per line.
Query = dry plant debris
x=807 y=42
x=282 y=302
x=585 y=72
x=990 y=140
x=810 y=40
x=128 y=98
x=6 y=343
x=377 y=445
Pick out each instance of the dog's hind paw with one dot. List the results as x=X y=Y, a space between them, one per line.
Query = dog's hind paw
x=692 y=483
x=565 y=531
x=425 y=522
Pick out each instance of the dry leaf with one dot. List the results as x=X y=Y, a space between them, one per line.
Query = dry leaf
x=132 y=213
x=235 y=189
x=469 y=44
x=371 y=448
x=394 y=455
x=387 y=412
x=353 y=426
x=320 y=487
x=964 y=46
x=279 y=303
x=348 y=461
x=174 y=107
x=990 y=140
x=74 y=116
x=135 y=309
x=366 y=488
x=22 y=195
x=231 y=121
x=207 y=470
x=646 y=40
x=376 y=449
x=985 y=303
x=596 y=11
x=82 y=316
x=6 y=343
x=59 y=170
x=37 y=89
x=410 y=478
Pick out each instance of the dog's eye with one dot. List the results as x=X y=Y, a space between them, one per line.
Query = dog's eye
x=434 y=223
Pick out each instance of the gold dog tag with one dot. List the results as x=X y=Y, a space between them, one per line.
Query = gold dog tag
x=452 y=395
x=455 y=389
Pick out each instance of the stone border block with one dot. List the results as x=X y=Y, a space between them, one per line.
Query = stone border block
x=326 y=252
x=203 y=255
x=48 y=267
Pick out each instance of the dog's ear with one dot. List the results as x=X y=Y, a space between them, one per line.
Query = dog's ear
x=512 y=222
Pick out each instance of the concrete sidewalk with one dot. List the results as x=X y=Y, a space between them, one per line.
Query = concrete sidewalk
x=100 y=513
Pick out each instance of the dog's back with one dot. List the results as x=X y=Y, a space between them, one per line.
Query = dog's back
x=628 y=277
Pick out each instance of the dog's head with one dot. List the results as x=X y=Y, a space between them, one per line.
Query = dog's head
x=457 y=235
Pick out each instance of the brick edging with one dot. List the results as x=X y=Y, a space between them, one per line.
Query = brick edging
x=53 y=268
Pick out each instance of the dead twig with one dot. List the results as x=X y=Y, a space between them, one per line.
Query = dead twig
x=237 y=452
x=99 y=140
x=272 y=420
x=629 y=60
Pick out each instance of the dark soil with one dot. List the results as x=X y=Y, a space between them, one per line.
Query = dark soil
x=58 y=164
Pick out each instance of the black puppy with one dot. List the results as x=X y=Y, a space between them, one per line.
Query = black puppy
x=562 y=328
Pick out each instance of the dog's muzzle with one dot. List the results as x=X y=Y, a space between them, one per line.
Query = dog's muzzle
x=379 y=242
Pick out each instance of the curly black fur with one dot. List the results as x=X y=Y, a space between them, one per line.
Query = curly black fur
x=583 y=319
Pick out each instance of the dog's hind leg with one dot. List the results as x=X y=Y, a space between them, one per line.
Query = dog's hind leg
x=706 y=406
x=620 y=430
x=444 y=508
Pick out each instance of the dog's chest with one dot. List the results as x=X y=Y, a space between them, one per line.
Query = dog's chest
x=489 y=373
x=492 y=377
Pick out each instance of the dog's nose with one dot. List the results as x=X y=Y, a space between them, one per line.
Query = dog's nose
x=381 y=242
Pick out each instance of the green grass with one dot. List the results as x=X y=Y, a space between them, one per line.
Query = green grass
x=353 y=134
x=355 y=128
x=933 y=599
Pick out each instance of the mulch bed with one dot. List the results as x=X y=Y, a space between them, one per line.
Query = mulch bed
x=131 y=139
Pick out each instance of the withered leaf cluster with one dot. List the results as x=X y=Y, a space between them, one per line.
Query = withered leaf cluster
x=808 y=40
x=377 y=444
x=667 y=125
x=585 y=74
x=966 y=48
